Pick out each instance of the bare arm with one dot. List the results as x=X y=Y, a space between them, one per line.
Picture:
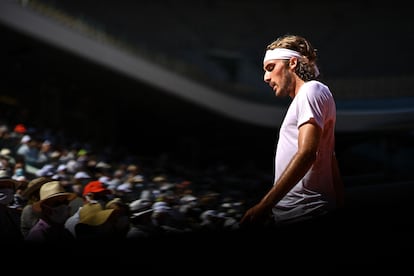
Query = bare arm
x=308 y=141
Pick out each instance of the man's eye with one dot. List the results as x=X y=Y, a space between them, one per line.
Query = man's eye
x=270 y=67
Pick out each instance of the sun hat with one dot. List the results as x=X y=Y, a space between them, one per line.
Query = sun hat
x=117 y=201
x=93 y=214
x=51 y=190
x=34 y=185
x=6 y=152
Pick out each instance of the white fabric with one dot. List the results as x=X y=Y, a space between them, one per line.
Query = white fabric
x=314 y=193
x=280 y=53
x=71 y=222
x=283 y=53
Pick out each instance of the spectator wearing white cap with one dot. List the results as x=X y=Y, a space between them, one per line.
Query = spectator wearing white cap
x=211 y=220
x=167 y=219
x=62 y=175
x=45 y=152
x=29 y=149
x=141 y=225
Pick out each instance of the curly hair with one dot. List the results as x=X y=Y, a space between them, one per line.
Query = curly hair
x=306 y=69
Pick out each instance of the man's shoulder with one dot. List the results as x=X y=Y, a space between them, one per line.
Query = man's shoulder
x=315 y=85
x=315 y=88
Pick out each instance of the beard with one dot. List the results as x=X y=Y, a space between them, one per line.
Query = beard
x=286 y=87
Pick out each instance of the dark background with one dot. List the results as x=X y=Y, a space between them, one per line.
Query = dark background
x=49 y=88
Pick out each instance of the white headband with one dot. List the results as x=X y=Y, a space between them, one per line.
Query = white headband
x=280 y=53
x=283 y=53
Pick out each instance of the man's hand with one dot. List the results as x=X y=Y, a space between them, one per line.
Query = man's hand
x=257 y=215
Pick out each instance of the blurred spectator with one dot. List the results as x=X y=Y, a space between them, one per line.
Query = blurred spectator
x=141 y=225
x=20 y=128
x=98 y=223
x=29 y=150
x=62 y=175
x=54 y=210
x=9 y=218
x=29 y=217
x=141 y=218
x=122 y=223
x=116 y=180
x=7 y=159
x=45 y=153
x=93 y=192
x=18 y=199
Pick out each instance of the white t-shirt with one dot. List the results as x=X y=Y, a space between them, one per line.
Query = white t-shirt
x=314 y=194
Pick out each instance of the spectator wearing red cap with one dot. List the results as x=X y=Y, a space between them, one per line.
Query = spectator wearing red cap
x=95 y=187
x=20 y=128
x=94 y=192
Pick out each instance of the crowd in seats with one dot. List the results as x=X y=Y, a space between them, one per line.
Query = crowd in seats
x=146 y=202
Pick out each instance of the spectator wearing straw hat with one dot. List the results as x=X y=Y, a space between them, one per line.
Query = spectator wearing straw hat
x=31 y=194
x=97 y=223
x=54 y=210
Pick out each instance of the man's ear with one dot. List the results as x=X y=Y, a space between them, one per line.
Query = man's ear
x=293 y=62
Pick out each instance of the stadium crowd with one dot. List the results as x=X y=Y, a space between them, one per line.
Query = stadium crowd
x=154 y=201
